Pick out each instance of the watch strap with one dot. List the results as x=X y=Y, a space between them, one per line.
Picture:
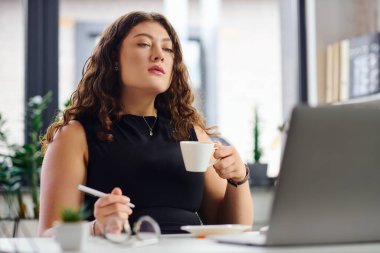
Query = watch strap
x=245 y=179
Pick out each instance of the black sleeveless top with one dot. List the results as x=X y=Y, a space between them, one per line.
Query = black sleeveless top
x=148 y=169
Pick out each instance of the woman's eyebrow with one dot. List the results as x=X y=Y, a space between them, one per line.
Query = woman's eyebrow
x=150 y=36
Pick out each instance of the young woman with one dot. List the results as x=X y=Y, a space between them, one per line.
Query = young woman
x=121 y=135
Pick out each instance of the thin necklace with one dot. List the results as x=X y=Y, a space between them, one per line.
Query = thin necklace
x=150 y=128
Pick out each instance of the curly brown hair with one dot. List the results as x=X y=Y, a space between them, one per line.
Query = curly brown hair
x=99 y=89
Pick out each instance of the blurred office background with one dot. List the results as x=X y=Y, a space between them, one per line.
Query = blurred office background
x=232 y=49
x=241 y=54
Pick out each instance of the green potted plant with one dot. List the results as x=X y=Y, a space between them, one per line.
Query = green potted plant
x=9 y=182
x=10 y=178
x=258 y=175
x=257 y=150
x=20 y=164
x=72 y=231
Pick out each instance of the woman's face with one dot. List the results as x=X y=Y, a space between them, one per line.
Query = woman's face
x=146 y=59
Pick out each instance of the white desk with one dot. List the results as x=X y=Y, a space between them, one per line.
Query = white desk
x=180 y=244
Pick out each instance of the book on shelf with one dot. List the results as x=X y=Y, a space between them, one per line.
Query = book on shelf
x=329 y=74
x=336 y=72
x=333 y=71
x=353 y=68
x=344 y=70
x=364 y=65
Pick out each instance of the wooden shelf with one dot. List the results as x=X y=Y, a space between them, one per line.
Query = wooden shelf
x=373 y=99
x=324 y=27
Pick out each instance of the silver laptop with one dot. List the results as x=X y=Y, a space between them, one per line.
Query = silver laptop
x=329 y=182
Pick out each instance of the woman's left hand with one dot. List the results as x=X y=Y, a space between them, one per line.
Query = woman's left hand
x=230 y=164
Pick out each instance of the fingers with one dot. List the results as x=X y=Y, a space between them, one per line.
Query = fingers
x=230 y=164
x=117 y=191
x=217 y=144
x=111 y=205
x=225 y=167
x=115 y=209
x=111 y=199
x=223 y=151
x=224 y=163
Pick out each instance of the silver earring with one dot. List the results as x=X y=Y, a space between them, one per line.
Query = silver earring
x=116 y=68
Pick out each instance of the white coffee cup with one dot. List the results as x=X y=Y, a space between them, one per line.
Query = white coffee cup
x=197 y=155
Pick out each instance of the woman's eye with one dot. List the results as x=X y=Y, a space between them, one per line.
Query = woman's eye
x=143 y=45
x=168 y=50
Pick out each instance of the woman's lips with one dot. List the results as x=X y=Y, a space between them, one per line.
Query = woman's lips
x=156 y=70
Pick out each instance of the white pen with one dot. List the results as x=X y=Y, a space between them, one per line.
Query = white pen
x=96 y=193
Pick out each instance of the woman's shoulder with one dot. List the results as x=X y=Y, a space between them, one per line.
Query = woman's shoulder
x=201 y=134
x=69 y=143
x=69 y=139
x=74 y=130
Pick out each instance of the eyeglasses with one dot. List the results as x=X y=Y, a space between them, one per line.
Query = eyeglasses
x=146 y=230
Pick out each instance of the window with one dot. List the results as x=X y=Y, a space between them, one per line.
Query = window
x=232 y=71
x=12 y=68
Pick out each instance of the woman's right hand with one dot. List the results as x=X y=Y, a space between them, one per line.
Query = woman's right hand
x=112 y=205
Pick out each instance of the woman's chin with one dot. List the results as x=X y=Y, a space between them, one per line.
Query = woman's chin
x=158 y=89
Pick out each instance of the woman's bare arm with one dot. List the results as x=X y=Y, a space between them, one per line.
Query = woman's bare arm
x=223 y=203
x=64 y=167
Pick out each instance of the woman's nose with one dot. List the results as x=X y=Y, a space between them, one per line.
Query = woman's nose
x=157 y=55
x=158 y=58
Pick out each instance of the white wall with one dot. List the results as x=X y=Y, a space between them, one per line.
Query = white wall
x=250 y=75
x=12 y=68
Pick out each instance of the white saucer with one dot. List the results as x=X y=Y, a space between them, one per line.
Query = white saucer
x=205 y=230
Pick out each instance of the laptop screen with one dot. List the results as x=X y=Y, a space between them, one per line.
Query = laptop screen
x=329 y=183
